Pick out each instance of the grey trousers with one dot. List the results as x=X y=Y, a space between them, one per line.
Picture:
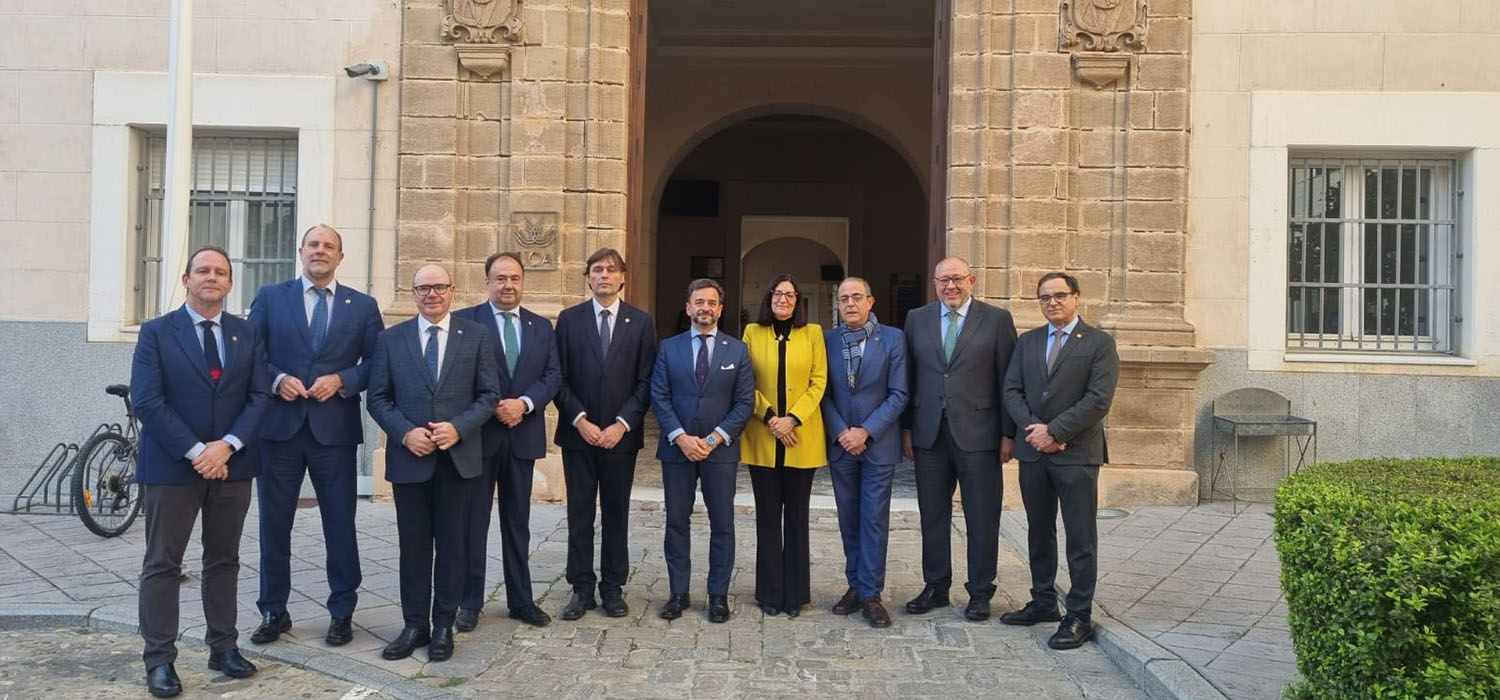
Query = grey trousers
x=171 y=510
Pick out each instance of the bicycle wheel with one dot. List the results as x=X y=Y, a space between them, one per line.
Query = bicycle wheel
x=105 y=493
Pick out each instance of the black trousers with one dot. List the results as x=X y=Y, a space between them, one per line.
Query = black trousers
x=513 y=479
x=978 y=473
x=594 y=474
x=171 y=510
x=333 y=472
x=783 y=577
x=1044 y=486
x=431 y=516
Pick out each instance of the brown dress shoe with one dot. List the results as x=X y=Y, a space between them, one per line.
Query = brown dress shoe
x=875 y=612
x=847 y=604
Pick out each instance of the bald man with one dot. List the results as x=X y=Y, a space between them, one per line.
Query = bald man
x=433 y=385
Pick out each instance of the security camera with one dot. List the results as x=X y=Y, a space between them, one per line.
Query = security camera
x=369 y=70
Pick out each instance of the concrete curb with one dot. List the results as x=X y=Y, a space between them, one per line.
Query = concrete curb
x=1158 y=672
x=332 y=664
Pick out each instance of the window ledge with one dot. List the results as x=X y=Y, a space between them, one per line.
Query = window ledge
x=1371 y=358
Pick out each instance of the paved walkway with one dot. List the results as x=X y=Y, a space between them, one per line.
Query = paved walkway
x=52 y=564
x=1202 y=582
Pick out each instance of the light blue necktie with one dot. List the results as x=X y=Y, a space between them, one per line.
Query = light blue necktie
x=432 y=351
x=512 y=343
x=320 y=319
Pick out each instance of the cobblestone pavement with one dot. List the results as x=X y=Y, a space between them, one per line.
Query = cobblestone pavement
x=54 y=560
x=1204 y=582
x=68 y=664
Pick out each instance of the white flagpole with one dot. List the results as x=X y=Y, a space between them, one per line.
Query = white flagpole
x=174 y=220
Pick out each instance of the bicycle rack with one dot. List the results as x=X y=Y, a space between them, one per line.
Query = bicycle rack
x=50 y=483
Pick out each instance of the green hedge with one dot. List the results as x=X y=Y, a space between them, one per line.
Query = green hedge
x=1391 y=570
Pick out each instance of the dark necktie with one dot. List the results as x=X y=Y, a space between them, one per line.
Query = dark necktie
x=432 y=351
x=512 y=352
x=700 y=368
x=1053 y=349
x=320 y=319
x=211 y=351
x=604 y=333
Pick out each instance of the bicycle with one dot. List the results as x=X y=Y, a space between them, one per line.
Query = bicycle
x=106 y=495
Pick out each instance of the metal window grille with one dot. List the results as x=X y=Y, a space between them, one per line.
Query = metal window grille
x=243 y=198
x=1373 y=255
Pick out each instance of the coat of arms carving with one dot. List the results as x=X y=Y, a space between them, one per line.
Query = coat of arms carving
x=535 y=237
x=1104 y=25
x=482 y=21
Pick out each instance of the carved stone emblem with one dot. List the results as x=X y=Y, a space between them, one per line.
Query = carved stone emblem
x=482 y=21
x=535 y=237
x=1104 y=25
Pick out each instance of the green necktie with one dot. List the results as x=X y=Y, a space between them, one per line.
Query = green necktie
x=950 y=337
x=512 y=351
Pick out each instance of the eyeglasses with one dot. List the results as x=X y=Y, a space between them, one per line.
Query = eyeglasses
x=946 y=281
x=783 y=295
x=854 y=298
x=1049 y=298
x=423 y=290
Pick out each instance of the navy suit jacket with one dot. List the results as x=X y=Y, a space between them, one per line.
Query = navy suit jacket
x=604 y=390
x=280 y=318
x=725 y=402
x=537 y=376
x=877 y=400
x=1072 y=400
x=404 y=396
x=180 y=405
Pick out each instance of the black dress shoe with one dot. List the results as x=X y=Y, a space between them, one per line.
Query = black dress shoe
x=847 y=604
x=405 y=643
x=1033 y=613
x=672 y=609
x=769 y=610
x=230 y=663
x=162 y=681
x=718 y=608
x=531 y=615
x=614 y=605
x=1072 y=633
x=793 y=611
x=441 y=647
x=340 y=631
x=466 y=620
x=271 y=627
x=978 y=610
x=928 y=600
x=578 y=605
x=875 y=613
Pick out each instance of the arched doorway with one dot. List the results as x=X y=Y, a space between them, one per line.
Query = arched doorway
x=797 y=193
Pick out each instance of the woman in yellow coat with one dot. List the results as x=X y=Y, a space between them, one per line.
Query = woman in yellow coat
x=785 y=444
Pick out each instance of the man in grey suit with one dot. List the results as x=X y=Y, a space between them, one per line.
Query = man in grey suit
x=958 y=349
x=433 y=385
x=1059 y=388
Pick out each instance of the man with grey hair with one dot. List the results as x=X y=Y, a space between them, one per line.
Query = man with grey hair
x=862 y=416
x=703 y=392
x=433 y=386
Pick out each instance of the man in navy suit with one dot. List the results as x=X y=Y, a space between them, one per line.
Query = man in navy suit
x=319 y=336
x=703 y=392
x=606 y=349
x=515 y=437
x=1059 y=388
x=433 y=384
x=862 y=416
x=198 y=382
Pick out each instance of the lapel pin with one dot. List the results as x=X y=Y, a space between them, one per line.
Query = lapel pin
x=627 y=320
x=234 y=339
x=348 y=301
x=460 y=331
x=1080 y=335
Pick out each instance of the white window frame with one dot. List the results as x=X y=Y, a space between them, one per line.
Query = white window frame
x=1457 y=123
x=1443 y=200
x=126 y=101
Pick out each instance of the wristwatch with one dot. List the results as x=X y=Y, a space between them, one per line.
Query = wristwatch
x=712 y=440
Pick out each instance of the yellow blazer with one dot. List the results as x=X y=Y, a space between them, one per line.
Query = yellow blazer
x=806 y=377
